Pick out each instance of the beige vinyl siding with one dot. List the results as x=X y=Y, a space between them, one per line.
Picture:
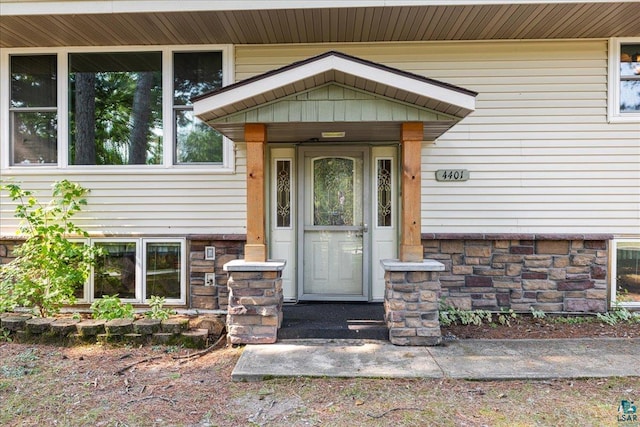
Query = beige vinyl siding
x=541 y=155
x=146 y=202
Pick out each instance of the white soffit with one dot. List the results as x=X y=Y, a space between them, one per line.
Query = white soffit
x=18 y=7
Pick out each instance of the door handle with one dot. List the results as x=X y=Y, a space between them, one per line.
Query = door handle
x=364 y=228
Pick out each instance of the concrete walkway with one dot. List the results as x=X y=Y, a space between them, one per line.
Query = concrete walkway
x=464 y=359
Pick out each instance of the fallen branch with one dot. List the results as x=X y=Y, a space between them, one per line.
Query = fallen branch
x=166 y=399
x=201 y=352
x=393 y=410
x=148 y=359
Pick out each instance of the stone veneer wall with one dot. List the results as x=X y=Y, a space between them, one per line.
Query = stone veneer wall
x=6 y=250
x=228 y=248
x=553 y=273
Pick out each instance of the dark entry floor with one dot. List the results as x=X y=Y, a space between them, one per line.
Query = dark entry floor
x=333 y=320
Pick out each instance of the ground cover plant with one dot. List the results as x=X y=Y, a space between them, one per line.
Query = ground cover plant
x=98 y=385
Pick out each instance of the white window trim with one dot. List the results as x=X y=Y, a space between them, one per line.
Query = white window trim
x=614 y=274
x=228 y=162
x=139 y=272
x=613 y=90
x=141 y=266
x=183 y=267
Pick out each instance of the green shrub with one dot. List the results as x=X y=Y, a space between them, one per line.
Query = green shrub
x=110 y=307
x=48 y=267
x=157 y=311
x=449 y=315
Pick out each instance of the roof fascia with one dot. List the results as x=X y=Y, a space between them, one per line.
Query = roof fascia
x=328 y=63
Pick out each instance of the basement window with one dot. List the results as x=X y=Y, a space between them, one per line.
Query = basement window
x=137 y=269
x=626 y=273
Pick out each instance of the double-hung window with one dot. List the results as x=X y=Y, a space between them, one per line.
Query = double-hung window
x=33 y=111
x=114 y=107
x=624 y=80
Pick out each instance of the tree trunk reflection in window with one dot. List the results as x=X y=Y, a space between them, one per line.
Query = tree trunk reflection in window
x=116 y=108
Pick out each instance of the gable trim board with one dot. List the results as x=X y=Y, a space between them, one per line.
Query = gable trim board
x=422 y=94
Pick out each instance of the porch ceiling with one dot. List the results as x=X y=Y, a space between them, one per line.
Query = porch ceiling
x=438 y=105
x=127 y=22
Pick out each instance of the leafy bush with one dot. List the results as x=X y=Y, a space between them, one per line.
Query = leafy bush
x=506 y=316
x=618 y=315
x=110 y=307
x=157 y=311
x=449 y=315
x=48 y=267
x=537 y=314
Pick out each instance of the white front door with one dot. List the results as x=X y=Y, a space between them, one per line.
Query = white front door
x=333 y=224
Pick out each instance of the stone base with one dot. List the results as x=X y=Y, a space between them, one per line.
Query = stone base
x=255 y=301
x=411 y=302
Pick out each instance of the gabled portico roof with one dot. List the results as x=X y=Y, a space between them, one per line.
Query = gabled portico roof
x=387 y=97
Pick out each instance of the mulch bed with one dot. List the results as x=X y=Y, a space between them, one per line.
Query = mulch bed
x=527 y=327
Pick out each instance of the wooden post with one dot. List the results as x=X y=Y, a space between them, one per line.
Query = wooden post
x=410 y=232
x=255 y=135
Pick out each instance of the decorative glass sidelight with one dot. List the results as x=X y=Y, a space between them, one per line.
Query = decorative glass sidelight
x=333 y=185
x=384 y=192
x=283 y=193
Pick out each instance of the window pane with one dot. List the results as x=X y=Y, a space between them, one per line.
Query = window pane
x=33 y=111
x=630 y=96
x=195 y=73
x=115 y=272
x=333 y=191
x=34 y=137
x=163 y=270
x=115 y=115
x=384 y=193
x=630 y=78
x=628 y=271
x=283 y=193
x=33 y=81
x=196 y=142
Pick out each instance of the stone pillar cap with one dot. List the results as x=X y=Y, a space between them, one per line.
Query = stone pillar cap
x=242 y=265
x=425 y=265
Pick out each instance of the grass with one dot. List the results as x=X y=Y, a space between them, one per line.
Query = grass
x=77 y=387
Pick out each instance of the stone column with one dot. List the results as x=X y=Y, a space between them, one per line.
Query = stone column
x=411 y=302
x=255 y=301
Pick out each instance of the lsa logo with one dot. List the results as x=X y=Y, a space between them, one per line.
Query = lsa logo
x=627 y=412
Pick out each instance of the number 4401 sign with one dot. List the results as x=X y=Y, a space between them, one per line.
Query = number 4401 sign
x=452 y=175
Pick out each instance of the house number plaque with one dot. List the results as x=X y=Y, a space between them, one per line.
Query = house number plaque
x=452 y=175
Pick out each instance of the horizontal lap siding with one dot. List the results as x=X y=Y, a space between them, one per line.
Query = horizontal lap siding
x=150 y=203
x=541 y=155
